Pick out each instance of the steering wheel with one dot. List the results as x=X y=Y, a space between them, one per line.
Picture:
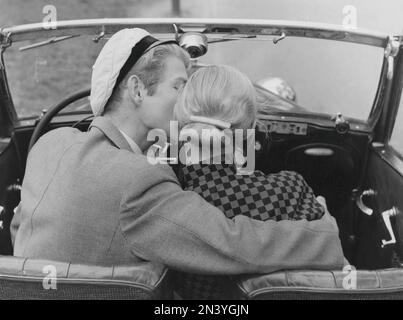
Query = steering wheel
x=45 y=120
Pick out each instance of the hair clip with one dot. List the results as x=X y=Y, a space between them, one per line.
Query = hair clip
x=218 y=123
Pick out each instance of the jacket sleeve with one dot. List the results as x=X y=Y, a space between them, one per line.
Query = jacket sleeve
x=163 y=223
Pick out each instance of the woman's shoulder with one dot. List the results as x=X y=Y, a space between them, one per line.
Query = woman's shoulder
x=291 y=174
x=282 y=176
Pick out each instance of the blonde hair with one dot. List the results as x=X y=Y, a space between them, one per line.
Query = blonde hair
x=219 y=92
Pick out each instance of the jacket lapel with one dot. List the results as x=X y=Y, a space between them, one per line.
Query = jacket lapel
x=111 y=132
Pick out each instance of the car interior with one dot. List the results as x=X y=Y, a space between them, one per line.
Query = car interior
x=348 y=162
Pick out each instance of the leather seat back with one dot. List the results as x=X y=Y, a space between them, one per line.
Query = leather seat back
x=379 y=284
x=22 y=278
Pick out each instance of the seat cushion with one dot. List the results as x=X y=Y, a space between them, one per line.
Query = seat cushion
x=379 y=284
x=22 y=278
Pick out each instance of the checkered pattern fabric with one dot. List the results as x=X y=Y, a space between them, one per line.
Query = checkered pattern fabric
x=281 y=196
x=197 y=287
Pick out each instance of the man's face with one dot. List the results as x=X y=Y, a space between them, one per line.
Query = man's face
x=157 y=110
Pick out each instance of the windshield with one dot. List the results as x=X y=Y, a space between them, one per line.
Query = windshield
x=323 y=76
x=41 y=77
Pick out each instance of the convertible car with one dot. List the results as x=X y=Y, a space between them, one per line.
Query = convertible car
x=330 y=108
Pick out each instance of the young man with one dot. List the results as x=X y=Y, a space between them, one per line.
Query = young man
x=94 y=198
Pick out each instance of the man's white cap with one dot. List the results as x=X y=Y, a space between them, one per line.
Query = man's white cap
x=115 y=60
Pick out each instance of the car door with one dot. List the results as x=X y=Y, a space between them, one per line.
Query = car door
x=9 y=169
x=380 y=224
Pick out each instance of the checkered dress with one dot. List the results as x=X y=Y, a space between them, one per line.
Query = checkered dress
x=281 y=196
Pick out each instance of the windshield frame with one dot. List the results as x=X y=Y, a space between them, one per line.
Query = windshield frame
x=242 y=27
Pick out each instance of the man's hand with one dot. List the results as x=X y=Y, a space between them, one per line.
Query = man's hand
x=322 y=201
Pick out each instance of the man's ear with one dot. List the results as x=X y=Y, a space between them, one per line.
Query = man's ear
x=136 y=89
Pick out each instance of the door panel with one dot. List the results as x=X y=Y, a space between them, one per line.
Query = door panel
x=9 y=194
x=334 y=174
x=386 y=179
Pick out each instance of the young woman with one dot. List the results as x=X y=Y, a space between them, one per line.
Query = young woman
x=217 y=101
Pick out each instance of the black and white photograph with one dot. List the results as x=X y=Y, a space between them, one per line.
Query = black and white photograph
x=201 y=154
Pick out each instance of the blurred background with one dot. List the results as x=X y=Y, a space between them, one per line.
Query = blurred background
x=36 y=76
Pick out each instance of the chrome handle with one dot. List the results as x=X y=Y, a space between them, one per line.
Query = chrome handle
x=360 y=204
x=386 y=215
x=1 y=222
